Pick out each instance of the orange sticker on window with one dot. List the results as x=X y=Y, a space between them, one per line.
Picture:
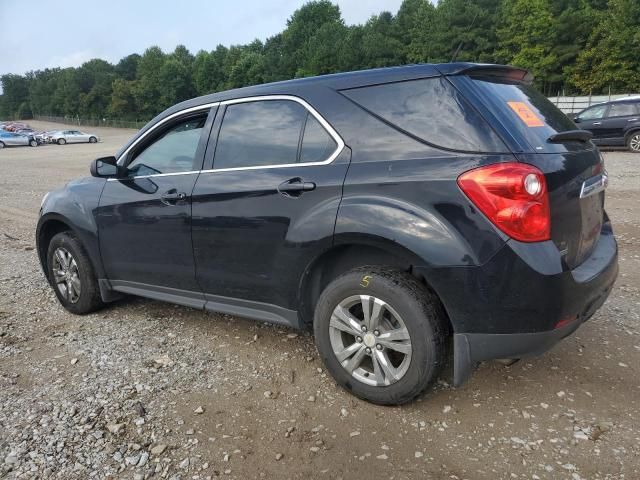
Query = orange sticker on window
x=525 y=113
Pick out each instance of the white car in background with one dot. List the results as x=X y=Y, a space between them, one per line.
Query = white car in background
x=10 y=139
x=63 y=137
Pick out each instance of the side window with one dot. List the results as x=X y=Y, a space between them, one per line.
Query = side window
x=431 y=110
x=173 y=151
x=260 y=133
x=317 y=144
x=594 y=113
x=622 y=110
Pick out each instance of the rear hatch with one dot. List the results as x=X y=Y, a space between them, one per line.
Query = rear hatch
x=572 y=165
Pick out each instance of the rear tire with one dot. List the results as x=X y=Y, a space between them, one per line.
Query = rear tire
x=633 y=143
x=1 y=144
x=61 y=141
x=410 y=319
x=71 y=273
x=93 y=140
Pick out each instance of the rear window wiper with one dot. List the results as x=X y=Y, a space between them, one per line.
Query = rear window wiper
x=571 y=136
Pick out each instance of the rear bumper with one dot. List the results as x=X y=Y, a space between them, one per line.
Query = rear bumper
x=523 y=301
x=472 y=348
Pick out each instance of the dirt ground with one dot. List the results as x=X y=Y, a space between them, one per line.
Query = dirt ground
x=146 y=389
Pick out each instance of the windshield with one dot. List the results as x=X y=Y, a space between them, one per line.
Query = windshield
x=526 y=110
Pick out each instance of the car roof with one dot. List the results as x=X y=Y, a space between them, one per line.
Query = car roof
x=343 y=81
x=631 y=99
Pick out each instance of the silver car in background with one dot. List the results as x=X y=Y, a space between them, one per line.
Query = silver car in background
x=10 y=139
x=63 y=137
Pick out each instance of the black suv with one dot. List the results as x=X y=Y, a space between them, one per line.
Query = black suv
x=405 y=214
x=613 y=124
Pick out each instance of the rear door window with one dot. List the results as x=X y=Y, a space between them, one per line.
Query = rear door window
x=260 y=133
x=430 y=110
x=622 y=110
x=317 y=144
x=268 y=133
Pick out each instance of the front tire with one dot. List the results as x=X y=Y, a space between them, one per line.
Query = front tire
x=1 y=145
x=71 y=274
x=61 y=141
x=634 y=142
x=93 y=139
x=381 y=334
x=33 y=143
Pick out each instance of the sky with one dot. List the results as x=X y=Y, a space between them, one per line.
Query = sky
x=67 y=33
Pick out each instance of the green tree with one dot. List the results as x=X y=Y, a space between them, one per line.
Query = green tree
x=175 y=83
x=149 y=82
x=299 y=35
x=16 y=93
x=123 y=101
x=610 y=58
x=127 y=67
x=526 y=37
x=321 y=55
x=381 y=46
x=589 y=45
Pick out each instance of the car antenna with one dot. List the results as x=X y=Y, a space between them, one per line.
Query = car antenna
x=455 y=55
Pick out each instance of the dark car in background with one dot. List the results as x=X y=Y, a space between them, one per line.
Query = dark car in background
x=613 y=124
x=397 y=212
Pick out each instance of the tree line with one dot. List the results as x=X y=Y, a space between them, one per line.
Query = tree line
x=584 y=46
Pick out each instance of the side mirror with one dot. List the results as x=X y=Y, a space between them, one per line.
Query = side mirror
x=576 y=119
x=105 y=167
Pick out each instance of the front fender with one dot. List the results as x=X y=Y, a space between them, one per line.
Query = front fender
x=74 y=206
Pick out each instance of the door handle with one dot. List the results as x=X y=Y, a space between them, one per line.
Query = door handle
x=632 y=120
x=597 y=123
x=295 y=187
x=172 y=197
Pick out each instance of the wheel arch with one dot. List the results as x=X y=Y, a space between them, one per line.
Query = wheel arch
x=630 y=132
x=49 y=226
x=349 y=253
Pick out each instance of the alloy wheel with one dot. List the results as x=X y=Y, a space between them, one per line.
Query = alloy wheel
x=66 y=275
x=634 y=143
x=370 y=340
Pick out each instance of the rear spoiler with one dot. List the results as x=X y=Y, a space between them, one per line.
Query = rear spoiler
x=487 y=70
x=571 y=136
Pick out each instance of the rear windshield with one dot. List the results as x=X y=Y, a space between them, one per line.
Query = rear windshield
x=431 y=110
x=526 y=110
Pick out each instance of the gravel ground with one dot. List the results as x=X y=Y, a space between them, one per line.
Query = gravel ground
x=145 y=389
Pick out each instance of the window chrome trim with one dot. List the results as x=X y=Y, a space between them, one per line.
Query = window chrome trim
x=330 y=130
x=326 y=125
x=161 y=122
x=153 y=175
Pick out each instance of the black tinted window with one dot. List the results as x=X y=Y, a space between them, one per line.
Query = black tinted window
x=432 y=110
x=622 y=109
x=317 y=144
x=173 y=151
x=524 y=110
x=260 y=133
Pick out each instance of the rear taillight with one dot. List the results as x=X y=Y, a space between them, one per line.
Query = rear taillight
x=513 y=196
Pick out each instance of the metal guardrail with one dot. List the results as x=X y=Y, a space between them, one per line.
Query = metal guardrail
x=577 y=104
x=93 y=122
